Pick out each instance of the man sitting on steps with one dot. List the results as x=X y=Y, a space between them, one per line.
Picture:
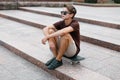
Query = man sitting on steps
x=63 y=37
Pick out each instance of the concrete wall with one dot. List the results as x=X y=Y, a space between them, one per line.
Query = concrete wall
x=14 y=4
x=103 y=1
x=35 y=0
x=99 y=1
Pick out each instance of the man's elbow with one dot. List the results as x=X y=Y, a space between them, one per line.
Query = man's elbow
x=44 y=29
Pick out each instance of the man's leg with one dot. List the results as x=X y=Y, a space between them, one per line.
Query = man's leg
x=64 y=43
x=53 y=43
x=53 y=47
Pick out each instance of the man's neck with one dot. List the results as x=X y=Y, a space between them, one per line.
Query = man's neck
x=67 y=22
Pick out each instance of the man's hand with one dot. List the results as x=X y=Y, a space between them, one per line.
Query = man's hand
x=44 y=40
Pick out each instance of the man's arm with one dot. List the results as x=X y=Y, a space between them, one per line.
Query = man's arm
x=57 y=33
x=61 y=32
x=46 y=29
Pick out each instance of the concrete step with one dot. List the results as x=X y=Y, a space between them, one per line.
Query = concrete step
x=13 y=67
x=100 y=17
x=108 y=4
x=25 y=41
x=102 y=36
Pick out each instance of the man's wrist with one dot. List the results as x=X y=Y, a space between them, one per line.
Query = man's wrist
x=47 y=37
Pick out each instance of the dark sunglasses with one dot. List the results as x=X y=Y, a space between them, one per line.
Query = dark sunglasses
x=65 y=12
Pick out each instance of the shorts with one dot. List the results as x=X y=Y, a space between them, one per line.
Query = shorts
x=71 y=50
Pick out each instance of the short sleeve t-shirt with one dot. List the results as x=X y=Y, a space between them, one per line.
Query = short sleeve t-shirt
x=75 y=34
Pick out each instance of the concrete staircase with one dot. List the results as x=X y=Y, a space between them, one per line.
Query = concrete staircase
x=98 y=37
x=22 y=35
x=98 y=18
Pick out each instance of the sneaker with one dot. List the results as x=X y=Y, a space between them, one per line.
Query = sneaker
x=55 y=63
x=50 y=61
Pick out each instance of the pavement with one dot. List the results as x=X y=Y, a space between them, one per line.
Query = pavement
x=13 y=67
x=99 y=34
x=106 y=14
x=100 y=63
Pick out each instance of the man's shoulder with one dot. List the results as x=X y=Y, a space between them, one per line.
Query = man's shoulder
x=75 y=21
x=59 y=22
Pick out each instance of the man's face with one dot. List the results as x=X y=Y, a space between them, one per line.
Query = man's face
x=66 y=14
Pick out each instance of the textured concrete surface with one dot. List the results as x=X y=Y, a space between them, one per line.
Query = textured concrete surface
x=105 y=14
x=28 y=39
x=94 y=31
x=100 y=63
x=13 y=67
x=79 y=18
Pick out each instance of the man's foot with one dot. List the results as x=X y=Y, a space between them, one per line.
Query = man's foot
x=55 y=63
x=49 y=62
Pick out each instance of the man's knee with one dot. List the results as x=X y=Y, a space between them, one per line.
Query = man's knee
x=50 y=31
x=66 y=37
x=52 y=46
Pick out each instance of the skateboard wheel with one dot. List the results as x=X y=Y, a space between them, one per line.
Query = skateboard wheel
x=77 y=62
x=72 y=63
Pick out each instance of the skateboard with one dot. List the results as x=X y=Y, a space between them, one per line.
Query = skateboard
x=75 y=60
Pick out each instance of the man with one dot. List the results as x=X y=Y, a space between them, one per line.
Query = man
x=63 y=37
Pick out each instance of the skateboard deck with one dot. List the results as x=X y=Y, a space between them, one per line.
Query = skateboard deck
x=75 y=60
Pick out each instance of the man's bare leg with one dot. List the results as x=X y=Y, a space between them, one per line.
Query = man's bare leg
x=53 y=43
x=64 y=43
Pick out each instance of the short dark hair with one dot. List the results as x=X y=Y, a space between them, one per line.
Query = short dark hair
x=71 y=9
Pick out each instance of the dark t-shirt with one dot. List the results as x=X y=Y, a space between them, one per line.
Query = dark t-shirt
x=75 y=34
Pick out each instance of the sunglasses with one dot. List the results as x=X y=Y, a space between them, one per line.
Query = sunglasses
x=65 y=12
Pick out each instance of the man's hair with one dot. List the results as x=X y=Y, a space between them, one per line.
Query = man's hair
x=71 y=9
